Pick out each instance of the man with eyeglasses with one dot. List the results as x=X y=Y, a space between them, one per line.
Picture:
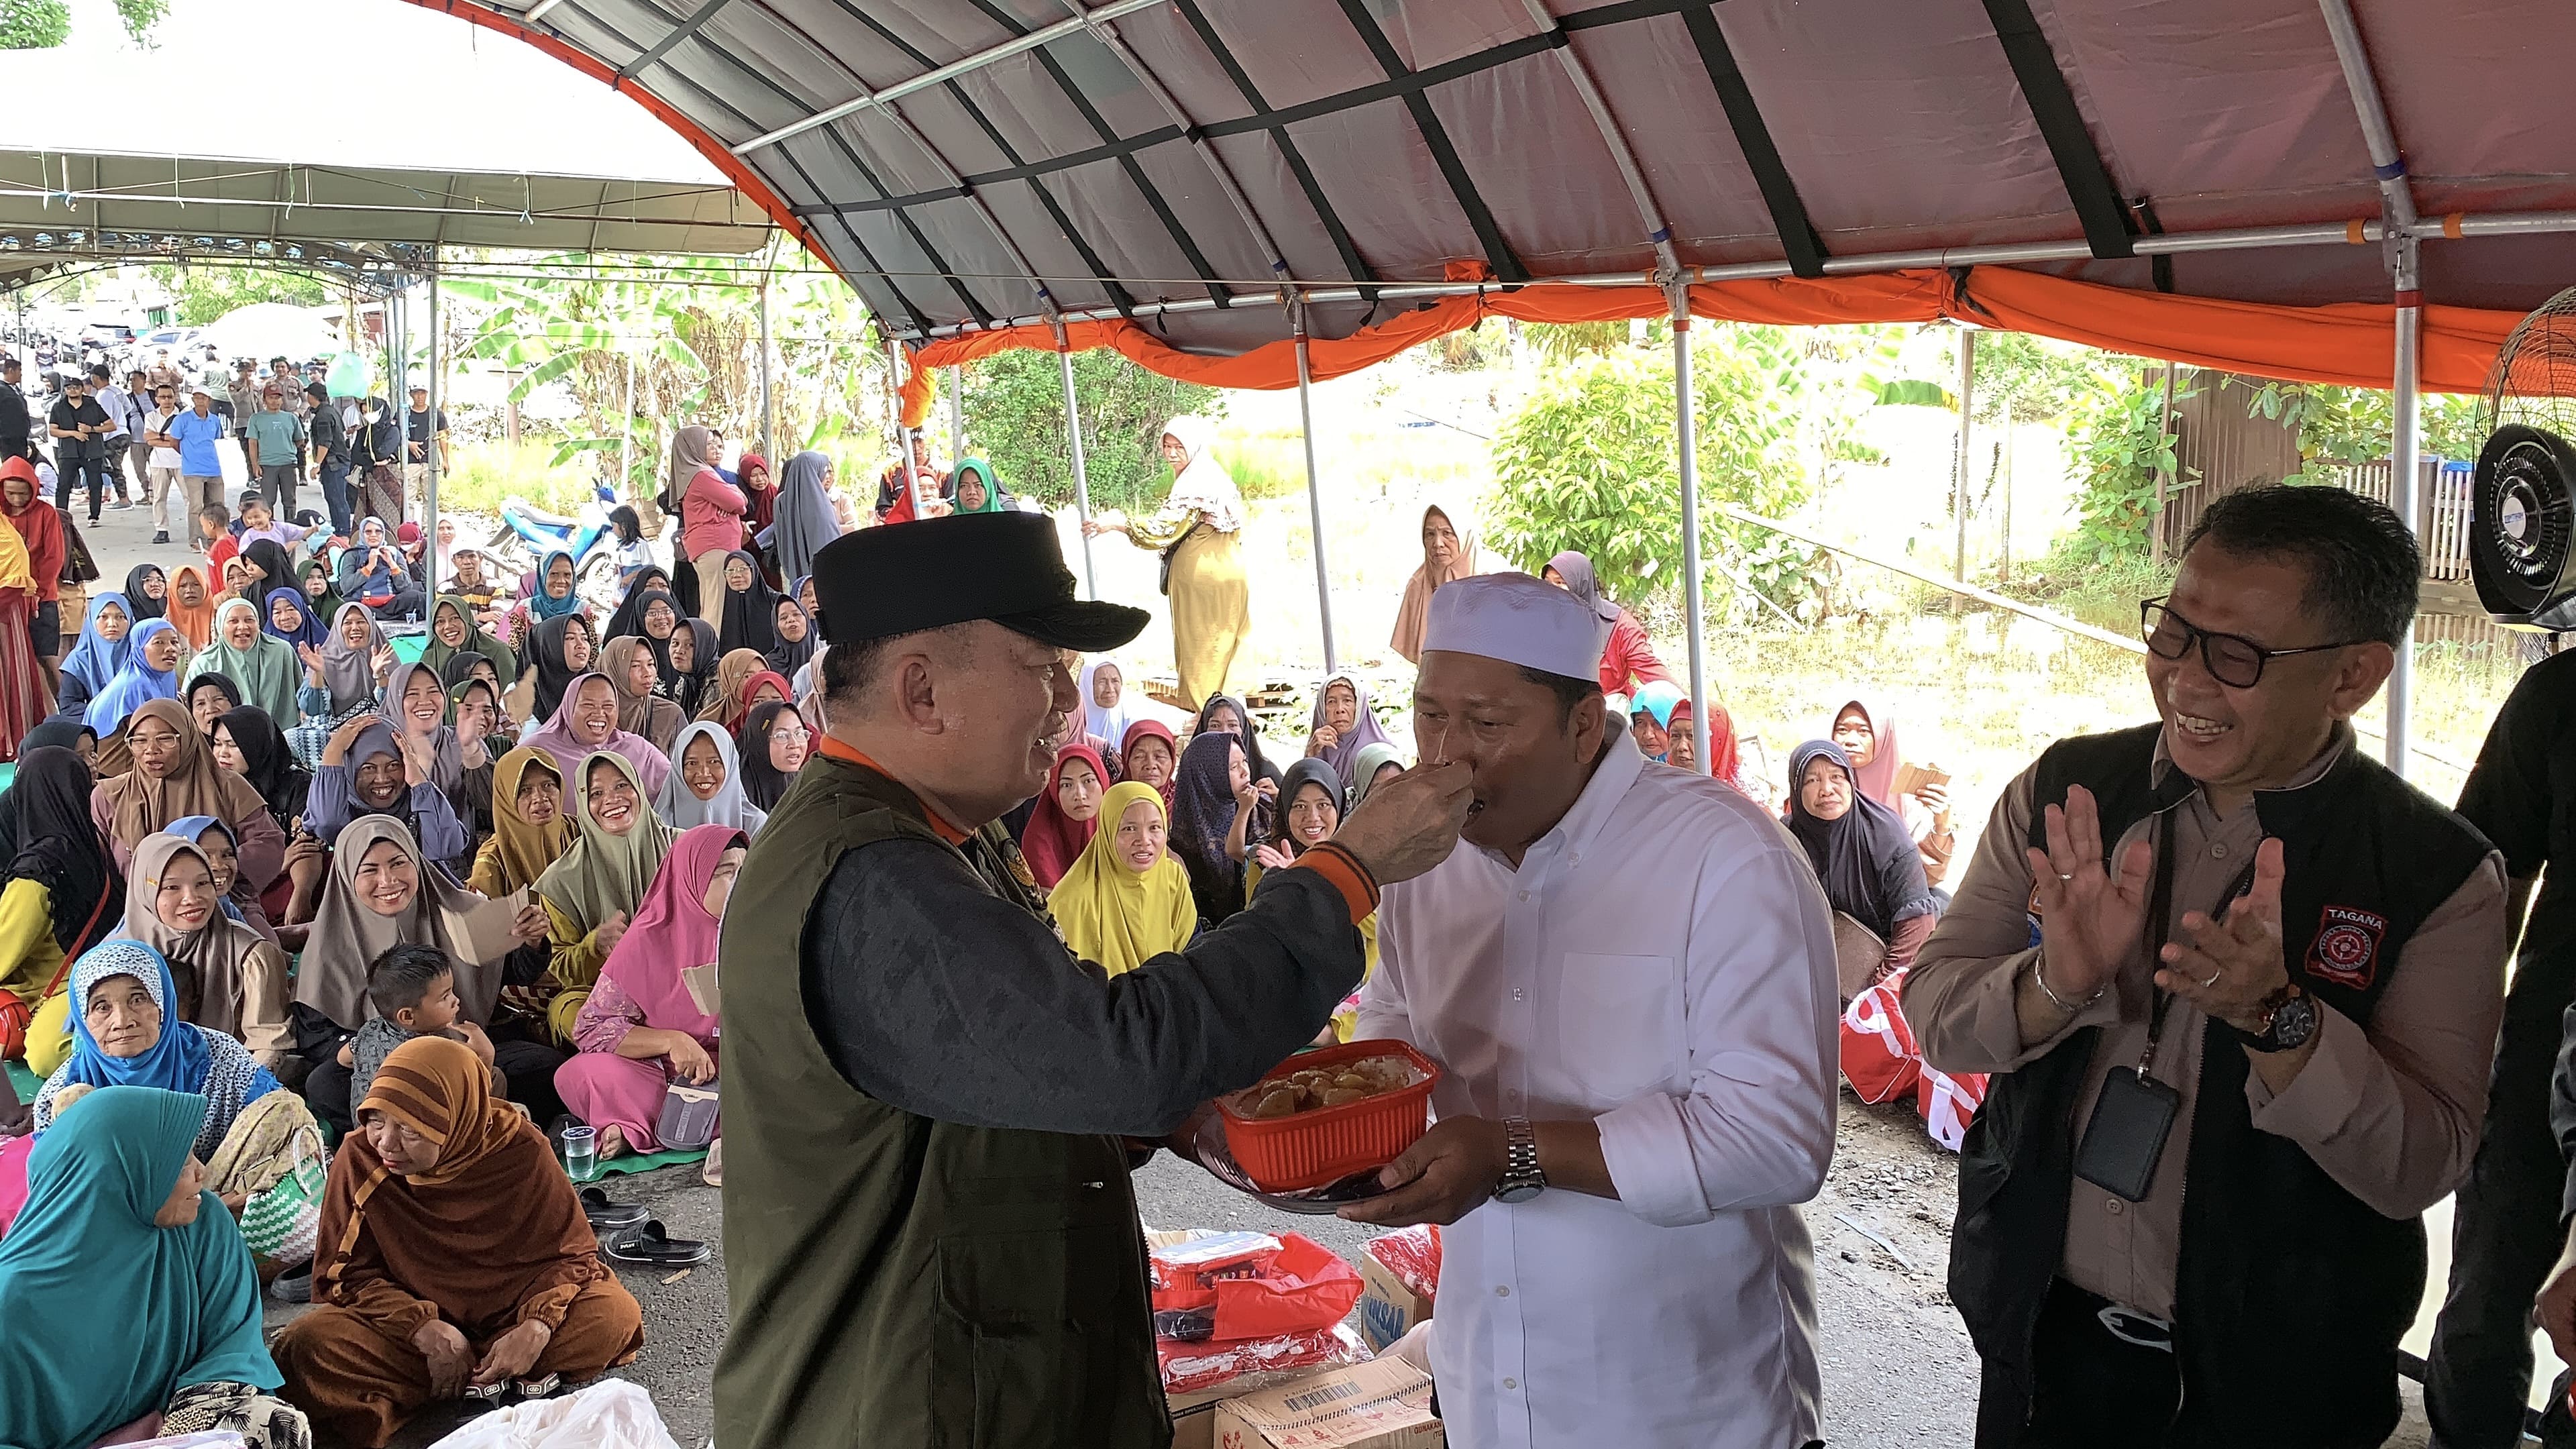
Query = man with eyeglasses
x=2251 y=1045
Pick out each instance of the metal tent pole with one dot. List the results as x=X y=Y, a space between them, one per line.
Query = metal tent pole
x=2403 y=450
x=429 y=450
x=1314 y=491
x=2165 y=478
x=1967 y=407
x=1081 y=479
x=768 y=434
x=1686 y=430
x=956 y=415
x=626 y=432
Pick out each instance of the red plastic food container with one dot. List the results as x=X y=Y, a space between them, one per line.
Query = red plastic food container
x=1319 y=1148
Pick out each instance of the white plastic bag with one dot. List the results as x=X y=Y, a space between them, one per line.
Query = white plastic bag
x=610 y=1414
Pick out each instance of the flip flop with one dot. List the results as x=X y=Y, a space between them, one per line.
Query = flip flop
x=605 y=1213
x=713 y=1173
x=650 y=1247
x=295 y=1285
x=539 y=1388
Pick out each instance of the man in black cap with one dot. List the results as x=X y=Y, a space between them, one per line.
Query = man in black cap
x=931 y=1104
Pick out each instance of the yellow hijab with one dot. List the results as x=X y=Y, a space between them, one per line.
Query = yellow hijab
x=1109 y=913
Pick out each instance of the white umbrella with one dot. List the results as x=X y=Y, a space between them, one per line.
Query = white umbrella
x=264 y=330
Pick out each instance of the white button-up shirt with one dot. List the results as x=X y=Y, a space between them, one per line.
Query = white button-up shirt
x=1661 y=964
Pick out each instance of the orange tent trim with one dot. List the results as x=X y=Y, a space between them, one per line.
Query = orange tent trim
x=2349 y=344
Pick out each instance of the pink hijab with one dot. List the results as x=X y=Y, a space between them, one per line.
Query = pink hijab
x=1053 y=840
x=652 y=767
x=672 y=932
x=1877 y=779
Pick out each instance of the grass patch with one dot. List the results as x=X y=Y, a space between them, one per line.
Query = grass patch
x=1265 y=465
x=2103 y=594
x=483 y=474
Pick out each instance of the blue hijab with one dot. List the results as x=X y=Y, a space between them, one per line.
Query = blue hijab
x=128 y=1312
x=94 y=660
x=188 y=1058
x=135 y=684
x=310 y=631
x=1658 y=698
x=544 y=607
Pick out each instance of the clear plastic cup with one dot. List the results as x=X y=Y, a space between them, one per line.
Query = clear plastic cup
x=581 y=1153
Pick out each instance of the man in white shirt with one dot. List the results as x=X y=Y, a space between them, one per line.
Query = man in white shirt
x=1626 y=973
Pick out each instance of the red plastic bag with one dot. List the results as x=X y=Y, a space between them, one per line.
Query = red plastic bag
x=1949 y=1103
x=1412 y=1255
x=1189 y=1367
x=1879 y=1056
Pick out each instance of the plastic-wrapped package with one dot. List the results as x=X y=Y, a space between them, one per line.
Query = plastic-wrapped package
x=1249 y=1285
x=1412 y=1255
x=1189 y=1367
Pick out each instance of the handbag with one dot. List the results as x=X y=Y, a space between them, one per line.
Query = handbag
x=1163 y=581
x=282 y=1223
x=689 y=1117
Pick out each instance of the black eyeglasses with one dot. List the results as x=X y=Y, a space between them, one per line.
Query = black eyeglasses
x=2232 y=659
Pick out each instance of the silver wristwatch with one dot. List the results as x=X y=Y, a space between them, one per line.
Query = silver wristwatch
x=1521 y=1178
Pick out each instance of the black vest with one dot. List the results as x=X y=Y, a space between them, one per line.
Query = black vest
x=2291 y=1294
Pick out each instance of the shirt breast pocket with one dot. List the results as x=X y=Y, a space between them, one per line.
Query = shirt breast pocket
x=1619 y=1024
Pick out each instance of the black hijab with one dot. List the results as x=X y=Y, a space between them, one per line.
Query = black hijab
x=224 y=682
x=144 y=605
x=629 y=618
x=762 y=781
x=1866 y=860
x=687 y=690
x=277 y=571
x=267 y=763
x=554 y=676
x=55 y=843
x=1202 y=815
x=790 y=655
x=61 y=730
x=1248 y=737
x=750 y=614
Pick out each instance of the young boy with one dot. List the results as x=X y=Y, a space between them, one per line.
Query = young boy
x=215 y=520
x=259 y=522
x=414 y=991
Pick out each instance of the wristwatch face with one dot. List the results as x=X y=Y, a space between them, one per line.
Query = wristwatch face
x=1516 y=1191
x=2294 y=1021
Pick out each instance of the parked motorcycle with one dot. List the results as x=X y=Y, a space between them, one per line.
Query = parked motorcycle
x=529 y=533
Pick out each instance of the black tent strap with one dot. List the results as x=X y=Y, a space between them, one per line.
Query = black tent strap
x=1354 y=265
x=1505 y=262
x=2061 y=125
x=678 y=33
x=1798 y=240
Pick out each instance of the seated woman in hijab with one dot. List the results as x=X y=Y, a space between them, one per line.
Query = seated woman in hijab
x=128 y=1033
x=468 y=668
x=1124 y=900
x=454 y=630
x=1227 y=714
x=1107 y=709
x=374 y=572
x=551 y=594
x=1151 y=755
x=342 y=680
x=207 y=695
x=151 y=673
x=1310 y=810
x=460 y=765
x=64 y=894
x=689 y=666
x=321 y=598
x=248 y=743
x=192 y=606
x=775 y=744
x=633 y=671
x=382 y=893
x=531 y=830
x=98 y=655
x=1863 y=856
x=267 y=558
x=591 y=894
x=724 y=702
x=1214 y=778
x=1343 y=726
x=166 y=1335
x=629 y=619
x=587 y=722
x=231 y=979
x=750 y=607
x=705 y=784
x=366 y=771
x=149 y=589
x=1868 y=736
x=452 y=1252
x=1629 y=655
x=560 y=650
x=175 y=776
x=1066 y=813
x=1733 y=767
x=644 y=1027
x=261 y=667
x=289 y=617
x=796 y=638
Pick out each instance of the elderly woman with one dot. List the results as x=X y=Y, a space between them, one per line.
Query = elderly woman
x=645 y=1026
x=381 y=893
x=1863 y=857
x=261 y=666
x=1150 y=755
x=1200 y=533
x=705 y=786
x=1124 y=900
x=1343 y=726
x=452 y=1252
x=369 y=770
x=593 y=892
x=586 y=721
x=375 y=572
x=148 y=1302
x=64 y=894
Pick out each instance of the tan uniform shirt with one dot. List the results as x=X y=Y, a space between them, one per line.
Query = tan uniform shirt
x=2391 y=1111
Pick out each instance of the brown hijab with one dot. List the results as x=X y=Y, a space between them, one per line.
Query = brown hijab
x=723 y=704
x=525 y=850
x=138 y=805
x=646 y=714
x=1415 y=612
x=205 y=963
x=492 y=1228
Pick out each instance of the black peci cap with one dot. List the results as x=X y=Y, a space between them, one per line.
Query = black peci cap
x=932 y=572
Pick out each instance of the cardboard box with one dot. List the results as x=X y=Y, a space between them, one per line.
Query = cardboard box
x=1385 y=1404
x=1194 y=1414
x=1388 y=1309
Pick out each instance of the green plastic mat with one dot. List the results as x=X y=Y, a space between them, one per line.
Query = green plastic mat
x=25 y=1081
x=648 y=1161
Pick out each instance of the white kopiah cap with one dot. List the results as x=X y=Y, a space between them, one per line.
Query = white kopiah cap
x=1518 y=620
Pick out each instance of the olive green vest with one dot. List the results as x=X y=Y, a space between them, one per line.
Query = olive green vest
x=897 y=1281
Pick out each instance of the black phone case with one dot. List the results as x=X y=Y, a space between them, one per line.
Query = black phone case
x=2126 y=1135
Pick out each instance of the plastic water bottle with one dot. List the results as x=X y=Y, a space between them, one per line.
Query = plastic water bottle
x=581 y=1153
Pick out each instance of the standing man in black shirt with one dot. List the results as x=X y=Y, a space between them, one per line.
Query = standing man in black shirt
x=80 y=428
x=2505 y=1229
x=15 y=425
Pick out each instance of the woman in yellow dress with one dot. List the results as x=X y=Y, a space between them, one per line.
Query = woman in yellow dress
x=1200 y=531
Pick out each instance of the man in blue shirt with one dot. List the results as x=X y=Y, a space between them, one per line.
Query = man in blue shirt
x=196 y=432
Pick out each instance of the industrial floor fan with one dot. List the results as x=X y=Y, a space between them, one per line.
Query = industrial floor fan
x=2522 y=505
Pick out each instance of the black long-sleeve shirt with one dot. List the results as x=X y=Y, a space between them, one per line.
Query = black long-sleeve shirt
x=965 y=1008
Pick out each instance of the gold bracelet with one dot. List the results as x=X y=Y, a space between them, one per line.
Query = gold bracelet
x=2071 y=1008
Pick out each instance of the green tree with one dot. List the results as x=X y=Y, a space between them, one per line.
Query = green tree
x=2118 y=445
x=205 y=293
x=1589 y=463
x=33 y=24
x=140 y=16
x=1015 y=407
x=2343 y=425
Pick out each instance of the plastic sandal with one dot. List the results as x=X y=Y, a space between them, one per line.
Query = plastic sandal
x=539 y=1388
x=605 y=1212
x=650 y=1247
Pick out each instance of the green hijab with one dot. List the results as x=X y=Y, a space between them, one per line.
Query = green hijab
x=327 y=607
x=156 y=1308
x=992 y=485
x=604 y=874
x=266 y=673
x=1364 y=767
x=505 y=662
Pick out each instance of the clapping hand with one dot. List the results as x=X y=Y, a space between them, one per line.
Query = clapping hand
x=2090 y=919
x=2228 y=967
x=312 y=658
